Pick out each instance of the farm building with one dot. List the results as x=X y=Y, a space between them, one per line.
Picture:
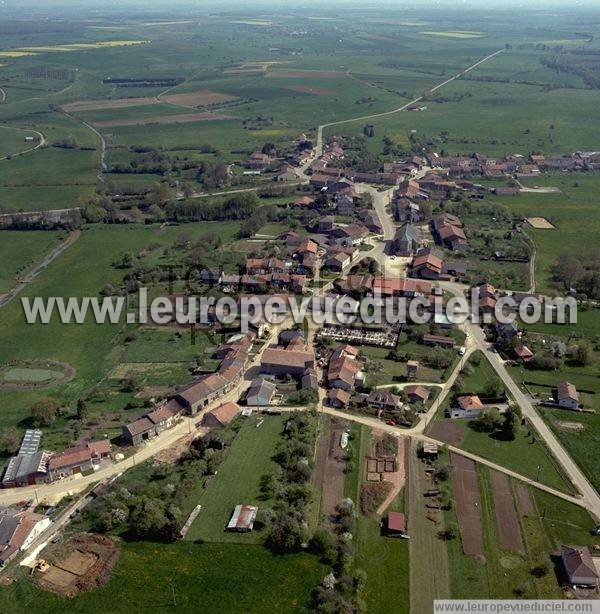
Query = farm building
x=395 y=525
x=338 y=398
x=261 y=393
x=279 y=362
x=579 y=566
x=78 y=459
x=242 y=519
x=567 y=395
x=221 y=415
x=30 y=465
x=152 y=424
x=417 y=394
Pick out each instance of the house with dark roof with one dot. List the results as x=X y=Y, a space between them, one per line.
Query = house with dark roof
x=579 y=566
x=384 y=400
x=260 y=393
x=406 y=240
x=445 y=342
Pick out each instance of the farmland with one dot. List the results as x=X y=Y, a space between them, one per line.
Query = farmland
x=146 y=572
x=533 y=460
x=238 y=481
x=167 y=140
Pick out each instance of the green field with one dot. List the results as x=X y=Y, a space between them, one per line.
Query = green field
x=238 y=481
x=20 y=251
x=534 y=461
x=215 y=577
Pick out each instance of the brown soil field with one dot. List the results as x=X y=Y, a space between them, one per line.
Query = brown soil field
x=468 y=505
x=88 y=564
x=98 y=105
x=330 y=467
x=305 y=89
x=305 y=74
x=163 y=119
x=540 y=223
x=525 y=502
x=448 y=432
x=506 y=513
x=200 y=98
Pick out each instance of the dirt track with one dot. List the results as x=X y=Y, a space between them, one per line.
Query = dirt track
x=468 y=505
x=506 y=513
x=330 y=467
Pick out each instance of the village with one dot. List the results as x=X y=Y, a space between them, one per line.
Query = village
x=374 y=235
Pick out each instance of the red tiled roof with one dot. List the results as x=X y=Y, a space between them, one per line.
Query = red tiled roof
x=470 y=402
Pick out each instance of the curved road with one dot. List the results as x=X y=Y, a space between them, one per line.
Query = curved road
x=41 y=142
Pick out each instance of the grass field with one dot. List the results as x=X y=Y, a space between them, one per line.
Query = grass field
x=21 y=250
x=238 y=481
x=93 y=350
x=531 y=460
x=211 y=577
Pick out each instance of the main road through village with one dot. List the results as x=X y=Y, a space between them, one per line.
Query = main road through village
x=475 y=340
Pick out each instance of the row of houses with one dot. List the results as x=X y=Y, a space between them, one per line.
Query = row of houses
x=193 y=398
x=34 y=466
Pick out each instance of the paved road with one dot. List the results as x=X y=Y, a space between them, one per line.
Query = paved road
x=319 y=145
x=155 y=445
x=25 y=281
x=590 y=497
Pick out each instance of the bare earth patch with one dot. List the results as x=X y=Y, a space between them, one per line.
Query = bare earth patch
x=200 y=98
x=468 y=505
x=525 y=502
x=330 y=467
x=87 y=565
x=540 y=222
x=305 y=89
x=448 y=432
x=570 y=426
x=506 y=513
x=184 y=118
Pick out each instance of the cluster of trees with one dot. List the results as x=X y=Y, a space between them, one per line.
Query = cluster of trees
x=290 y=486
x=150 y=160
x=213 y=175
x=237 y=207
x=583 y=274
x=149 y=505
x=340 y=589
x=504 y=427
x=588 y=68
